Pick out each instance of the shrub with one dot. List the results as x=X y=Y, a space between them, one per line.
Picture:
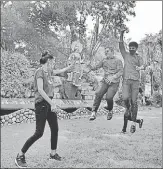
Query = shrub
x=16 y=75
x=156 y=99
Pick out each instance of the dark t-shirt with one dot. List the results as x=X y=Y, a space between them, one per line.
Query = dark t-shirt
x=47 y=85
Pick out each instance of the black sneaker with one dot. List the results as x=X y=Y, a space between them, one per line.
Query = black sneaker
x=93 y=116
x=133 y=129
x=141 y=123
x=56 y=157
x=123 y=131
x=20 y=161
x=109 y=115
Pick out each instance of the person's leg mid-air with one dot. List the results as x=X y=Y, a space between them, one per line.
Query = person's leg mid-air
x=126 y=98
x=129 y=92
x=113 y=70
x=134 y=106
x=113 y=88
x=102 y=89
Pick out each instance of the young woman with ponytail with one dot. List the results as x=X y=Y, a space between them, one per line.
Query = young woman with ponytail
x=43 y=107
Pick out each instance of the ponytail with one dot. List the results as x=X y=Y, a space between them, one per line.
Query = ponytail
x=45 y=57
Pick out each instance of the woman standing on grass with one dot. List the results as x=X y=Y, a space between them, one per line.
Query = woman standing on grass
x=44 y=107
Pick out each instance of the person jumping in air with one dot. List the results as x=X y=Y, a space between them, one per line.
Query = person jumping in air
x=133 y=63
x=113 y=70
x=44 y=108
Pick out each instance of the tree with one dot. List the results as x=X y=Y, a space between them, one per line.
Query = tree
x=19 y=29
x=111 y=15
x=151 y=52
x=16 y=74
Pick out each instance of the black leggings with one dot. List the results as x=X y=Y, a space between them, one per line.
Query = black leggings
x=43 y=112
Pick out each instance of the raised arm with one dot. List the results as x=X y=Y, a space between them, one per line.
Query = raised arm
x=121 y=44
x=59 y=71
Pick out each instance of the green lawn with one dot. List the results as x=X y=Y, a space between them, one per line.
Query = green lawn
x=89 y=144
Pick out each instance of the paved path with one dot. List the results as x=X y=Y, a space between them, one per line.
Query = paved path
x=90 y=144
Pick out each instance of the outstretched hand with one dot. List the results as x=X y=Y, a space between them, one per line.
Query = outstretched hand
x=53 y=107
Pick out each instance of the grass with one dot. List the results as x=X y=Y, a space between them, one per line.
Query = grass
x=85 y=144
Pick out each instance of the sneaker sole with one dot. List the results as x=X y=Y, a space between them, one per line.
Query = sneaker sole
x=18 y=164
x=55 y=159
x=109 y=118
x=92 y=119
x=123 y=133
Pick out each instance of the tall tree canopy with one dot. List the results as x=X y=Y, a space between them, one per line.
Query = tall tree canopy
x=33 y=26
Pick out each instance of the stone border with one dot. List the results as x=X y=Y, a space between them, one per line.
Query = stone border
x=28 y=116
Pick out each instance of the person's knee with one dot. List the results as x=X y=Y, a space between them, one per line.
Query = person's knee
x=134 y=103
x=127 y=103
x=57 y=130
x=109 y=100
x=38 y=134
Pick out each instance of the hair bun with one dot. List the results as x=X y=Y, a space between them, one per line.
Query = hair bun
x=44 y=53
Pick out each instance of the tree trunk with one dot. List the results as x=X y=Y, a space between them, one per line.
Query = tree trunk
x=151 y=73
x=96 y=29
x=73 y=33
x=82 y=21
x=95 y=36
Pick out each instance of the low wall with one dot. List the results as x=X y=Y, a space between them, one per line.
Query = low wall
x=28 y=116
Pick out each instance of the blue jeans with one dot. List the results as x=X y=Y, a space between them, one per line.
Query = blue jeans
x=43 y=112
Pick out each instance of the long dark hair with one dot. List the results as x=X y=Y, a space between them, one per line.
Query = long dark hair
x=45 y=57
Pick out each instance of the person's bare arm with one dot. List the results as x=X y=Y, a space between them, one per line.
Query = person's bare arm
x=121 y=44
x=59 y=71
x=42 y=92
